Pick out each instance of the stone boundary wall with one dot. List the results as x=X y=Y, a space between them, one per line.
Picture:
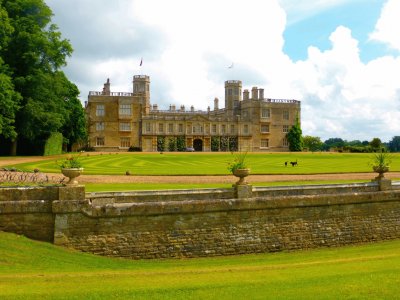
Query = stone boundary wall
x=197 y=223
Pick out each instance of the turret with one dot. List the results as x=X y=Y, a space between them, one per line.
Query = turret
x=233 y=94
x=141 y=88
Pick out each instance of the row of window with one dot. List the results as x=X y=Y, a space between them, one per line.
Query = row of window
x=125 y=142
x=126 y=126
x=124 y=110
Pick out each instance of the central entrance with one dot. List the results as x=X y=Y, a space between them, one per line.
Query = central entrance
x=198 y=145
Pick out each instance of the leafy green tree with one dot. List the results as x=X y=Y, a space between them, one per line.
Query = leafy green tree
x=394 y=144
x=34 y=52
x=376 y=144
x=337 y=143
x=312 y=143
x=294 y=137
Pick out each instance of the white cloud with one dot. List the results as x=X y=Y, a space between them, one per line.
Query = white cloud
x=385 y=29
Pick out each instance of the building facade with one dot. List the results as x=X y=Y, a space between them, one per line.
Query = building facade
x=248 y=122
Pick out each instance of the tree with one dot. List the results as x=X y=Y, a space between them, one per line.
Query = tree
x=333 y=143
x=294 y=137
x=313 y=143
x=394 y=144
x=34 y=52
x=376 y=144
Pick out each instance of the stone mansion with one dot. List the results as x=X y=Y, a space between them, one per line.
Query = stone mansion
x=248 y=122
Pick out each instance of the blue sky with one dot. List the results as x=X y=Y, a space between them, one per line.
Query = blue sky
x=360 y=16
x=340 y=58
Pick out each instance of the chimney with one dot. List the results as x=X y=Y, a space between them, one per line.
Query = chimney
x=182 y=107
x=216 y=104
x=192 y=108
x=246 y=95
x=261 y=94
x=254 y=93
x=106 y=88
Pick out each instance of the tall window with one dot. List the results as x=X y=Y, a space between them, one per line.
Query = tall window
x=265 y=128
x=125 y=109
x=148 y=127
x=214 y=128
x=125 y=142
x=100 y=141
x=285 y=142
x=264 y=143
x=232 y=129
x=246 y=129
x=180 y=128
x=286 y=114
x=286 y=128
x=223 y=129
x=124 y=126
x=100 y=110
x=265 y=113
x=170 y=127
x=160 y=127
x=99 y=126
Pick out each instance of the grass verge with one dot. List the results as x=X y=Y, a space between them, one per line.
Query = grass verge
x=36 y=270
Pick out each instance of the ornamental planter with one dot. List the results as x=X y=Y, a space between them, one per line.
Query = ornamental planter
x=380 y=170
x=241 y=174
x=72 y=173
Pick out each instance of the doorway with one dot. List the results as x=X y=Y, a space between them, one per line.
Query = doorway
x=198 y=145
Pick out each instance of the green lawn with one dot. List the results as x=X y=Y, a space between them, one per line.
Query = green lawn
x=171 y=163
x=35 y=270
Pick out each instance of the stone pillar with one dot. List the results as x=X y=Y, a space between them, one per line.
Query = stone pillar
x=243 y=191
x=71 y=193
x=384 y=184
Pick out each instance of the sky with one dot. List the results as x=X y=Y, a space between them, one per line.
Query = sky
x=340 y=58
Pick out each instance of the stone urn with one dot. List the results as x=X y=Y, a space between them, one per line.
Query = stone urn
x=72 y=173
x=242 y=174
x=380 y=170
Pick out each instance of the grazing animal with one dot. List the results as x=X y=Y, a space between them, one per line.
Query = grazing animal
x=293 y=163
x=286 y=163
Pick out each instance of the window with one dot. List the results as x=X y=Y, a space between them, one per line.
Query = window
x=124 y=126
x=214 y=128
x=265 y=113
x=160 y=127
x=245 y=114
x=285 y=143
x=265 y=128
x=286 y=115
x=170 y=127
x=100 y=141
x=148 y=127
x=125 y=142
x=223 y=129
x=232 y=129
x=100 y=110
x=264 y=143
x=180 y=128
x=286 y=128
x=246 y=129
x=125 y=109
x=99 y=126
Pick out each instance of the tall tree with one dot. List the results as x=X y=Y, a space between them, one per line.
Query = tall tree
x=9 y=99
x=312 y=143
x=376 y=144
x=34 y=54
x=394 y=144
x=294 y=137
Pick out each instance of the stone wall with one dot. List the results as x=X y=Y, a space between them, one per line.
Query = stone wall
x=163 y=224
x=275 y=219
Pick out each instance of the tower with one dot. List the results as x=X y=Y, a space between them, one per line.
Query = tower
x=141 y=88
x=233 y=94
